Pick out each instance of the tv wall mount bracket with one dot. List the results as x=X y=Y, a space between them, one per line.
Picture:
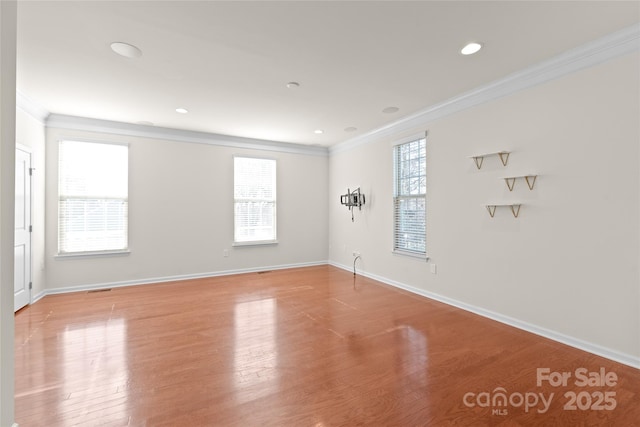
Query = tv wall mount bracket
x=352 y=200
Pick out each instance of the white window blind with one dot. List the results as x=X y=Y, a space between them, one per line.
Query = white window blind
x=254 y=189
x=93 y=197
x=410 y=190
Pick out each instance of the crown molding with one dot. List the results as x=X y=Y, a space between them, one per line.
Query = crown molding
x=61 y=121
x=31 y=107
x=588 y=55
x=611 y=46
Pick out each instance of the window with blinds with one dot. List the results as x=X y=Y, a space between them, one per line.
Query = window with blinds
x=254 y=190
x=409 y=202
x=93 y=197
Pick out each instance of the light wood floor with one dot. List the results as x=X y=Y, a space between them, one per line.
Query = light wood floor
x=301 y=347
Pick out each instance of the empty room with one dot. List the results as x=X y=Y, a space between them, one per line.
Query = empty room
x=319 y=213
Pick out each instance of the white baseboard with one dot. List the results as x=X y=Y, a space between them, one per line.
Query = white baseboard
x=35 y=298
x=147 y=281
x=596 y=349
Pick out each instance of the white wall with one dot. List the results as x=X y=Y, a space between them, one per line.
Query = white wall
x=30 y=133
x=569 y=263
x=7 y=205
x=181 y=213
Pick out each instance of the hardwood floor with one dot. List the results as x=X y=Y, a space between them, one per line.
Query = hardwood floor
x=301 y=347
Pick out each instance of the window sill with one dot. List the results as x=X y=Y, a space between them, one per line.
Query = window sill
x=411 y=254
x=255 y=243
x=92 y=254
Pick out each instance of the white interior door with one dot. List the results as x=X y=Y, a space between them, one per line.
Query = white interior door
x=22 y=271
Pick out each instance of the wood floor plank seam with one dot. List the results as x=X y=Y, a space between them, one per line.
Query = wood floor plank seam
x=296 y=347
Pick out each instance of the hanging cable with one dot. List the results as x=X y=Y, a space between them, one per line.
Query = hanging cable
x=354 y=264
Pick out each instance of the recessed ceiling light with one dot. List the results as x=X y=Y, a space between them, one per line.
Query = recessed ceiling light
x=350 y=129
x=471 y=48
x=318 y=131
x=127 y=50
x=390 y=110
x=293 y=85
x=182 y=110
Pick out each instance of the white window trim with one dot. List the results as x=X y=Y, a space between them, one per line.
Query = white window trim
x=91 y=254
x=396 y=251
x=413 y=137
x=410 y=254
x=253 y=243
x=98 y=253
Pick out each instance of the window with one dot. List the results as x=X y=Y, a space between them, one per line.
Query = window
x=409 y=202
x=254 y=190
x=93 y=197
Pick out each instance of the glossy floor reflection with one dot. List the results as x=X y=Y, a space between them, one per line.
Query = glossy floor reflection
x=299 y=347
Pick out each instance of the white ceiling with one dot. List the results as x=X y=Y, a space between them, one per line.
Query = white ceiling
x=228 y=62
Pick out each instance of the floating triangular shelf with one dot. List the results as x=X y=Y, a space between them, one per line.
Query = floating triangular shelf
x=515 y=209
x=511 y=181
x=479 y=158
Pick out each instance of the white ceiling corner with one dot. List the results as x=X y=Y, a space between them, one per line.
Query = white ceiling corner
x=611 y=46
x=228 y=63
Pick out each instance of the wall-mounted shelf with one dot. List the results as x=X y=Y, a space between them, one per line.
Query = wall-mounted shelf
x=511 y=181
x=479 y=158
x=515 y=209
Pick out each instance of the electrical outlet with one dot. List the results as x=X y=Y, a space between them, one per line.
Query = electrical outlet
x=225 y=253
x=434 y=269
x=356 y=253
